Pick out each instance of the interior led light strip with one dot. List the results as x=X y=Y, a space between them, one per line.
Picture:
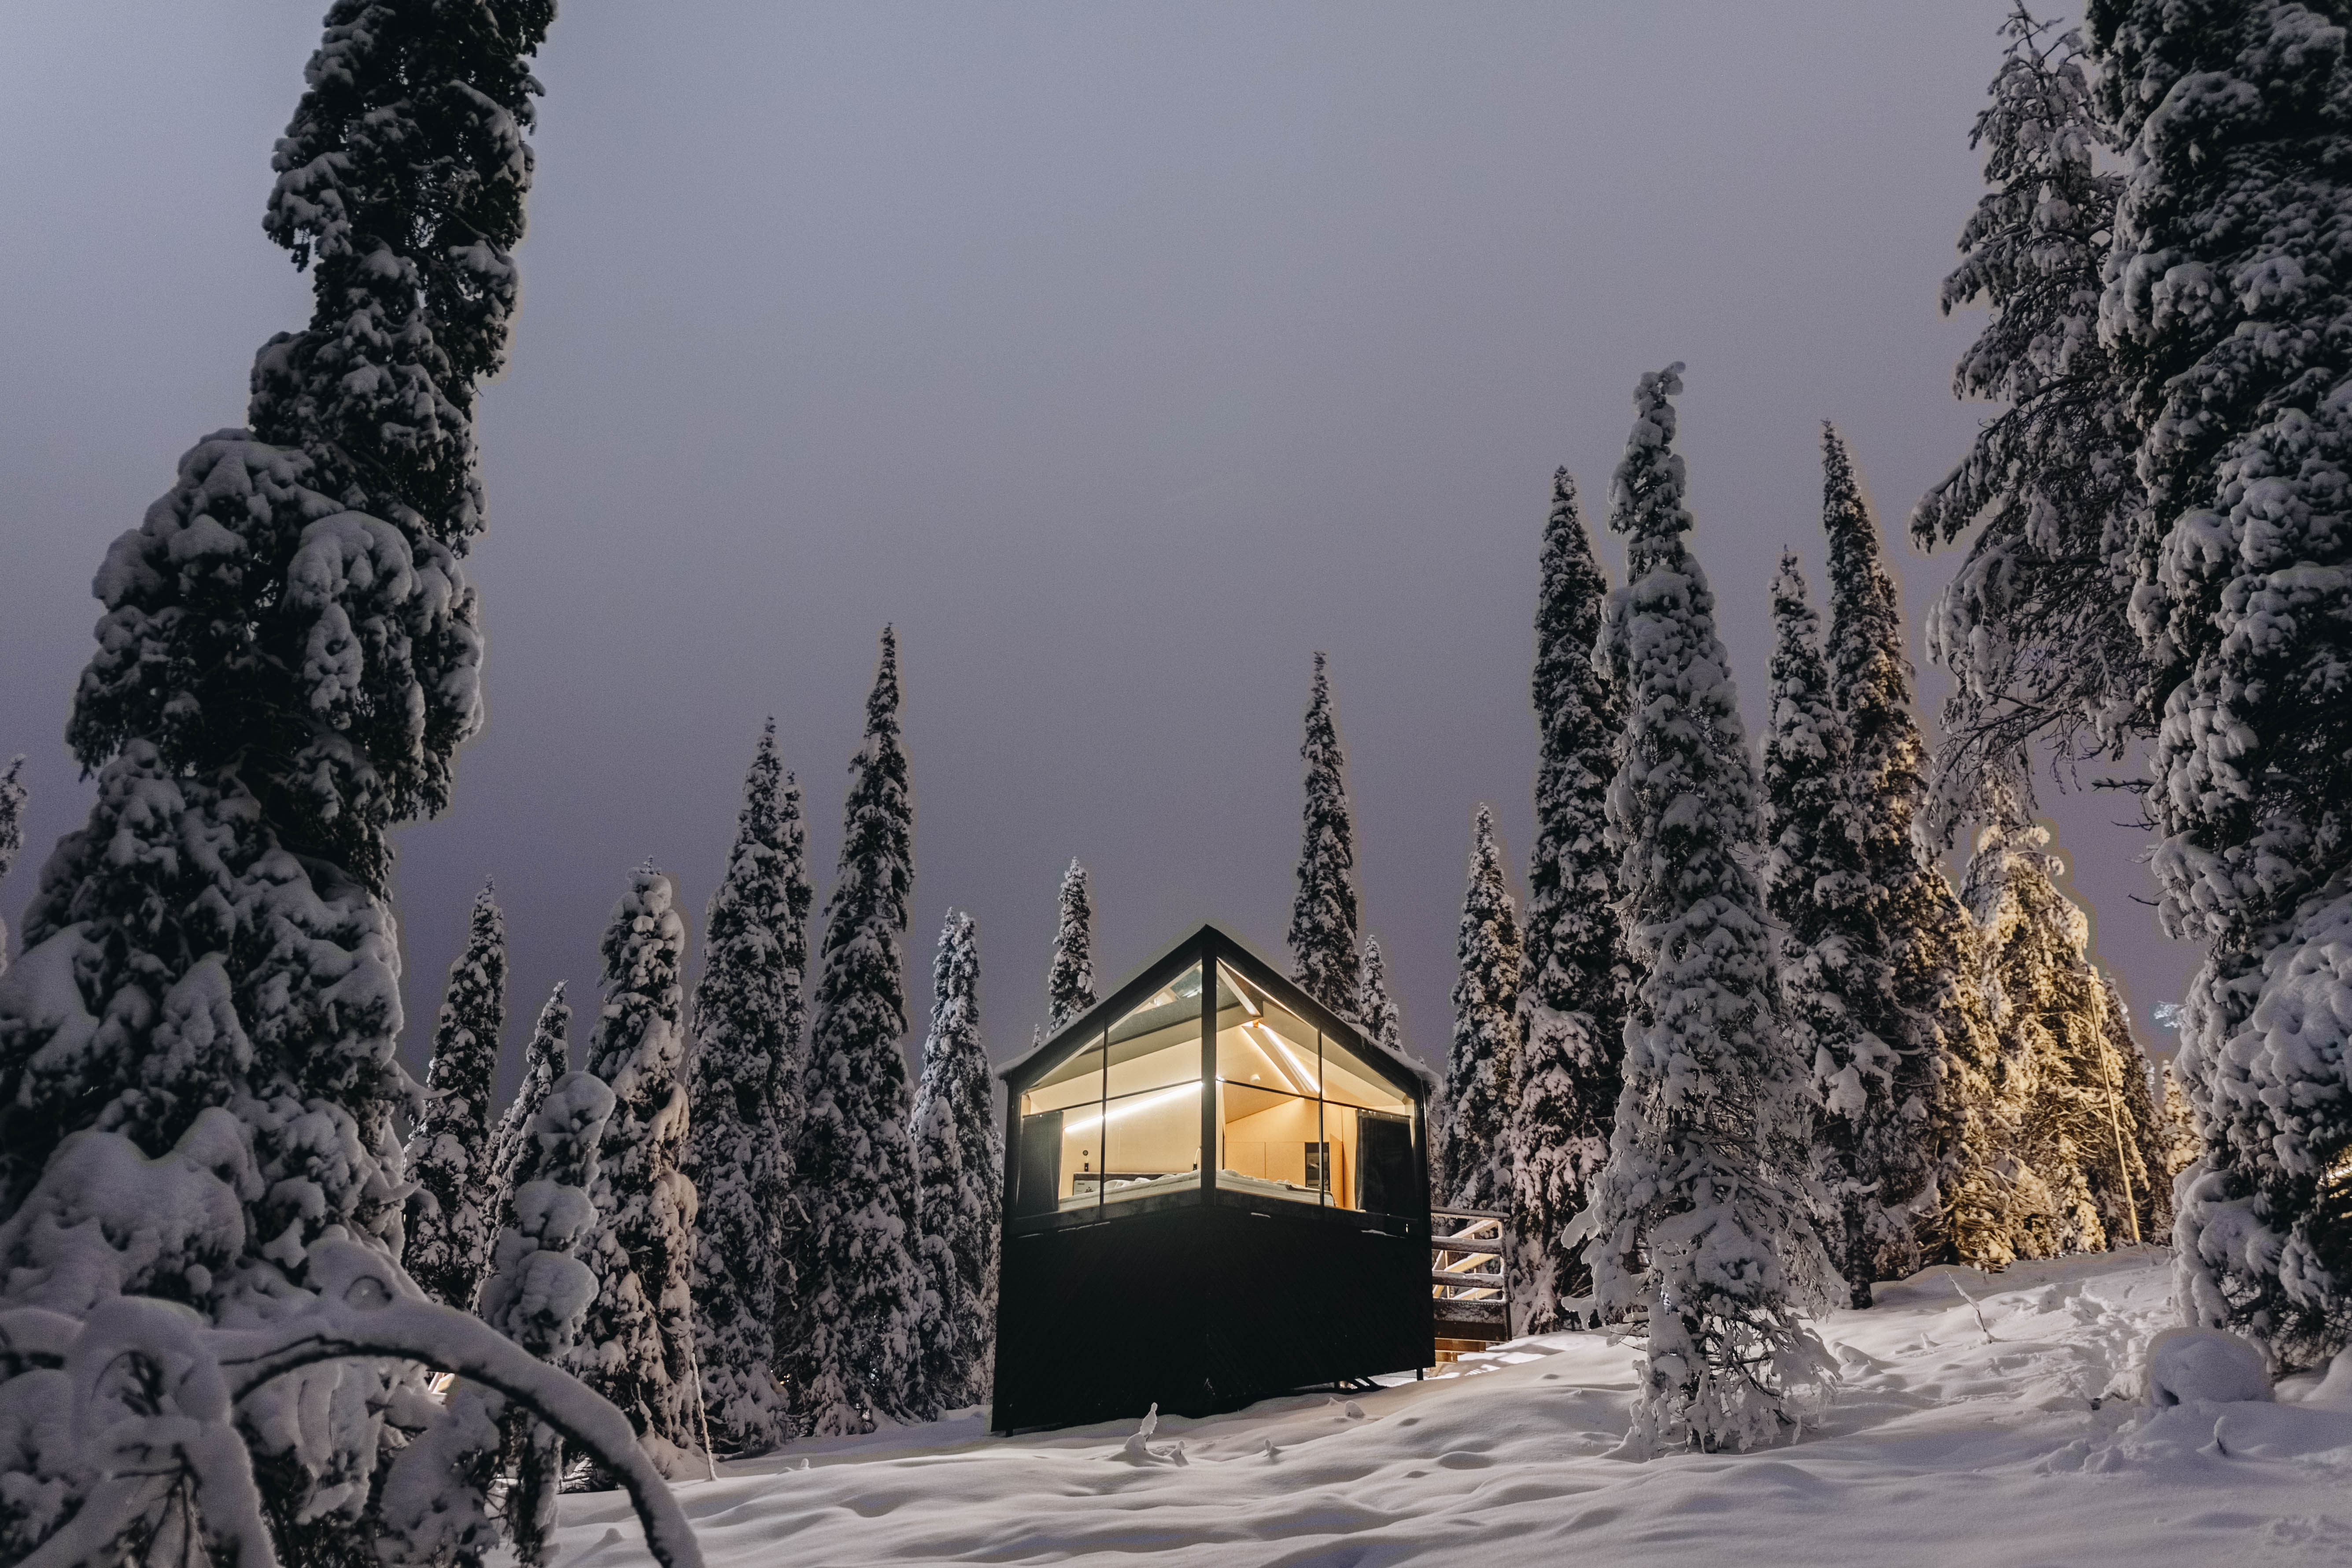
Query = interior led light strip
x=1240 y=994
x=1284 y=1047
x=1139 y=1102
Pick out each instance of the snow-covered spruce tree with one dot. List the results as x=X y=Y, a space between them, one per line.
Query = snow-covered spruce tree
x=1376 y=1010
x=287 y=662
x=1814 y=884
x=443 y=1499
x=1070 y=981
x=12 y=834
x=1573 y=1008
x=450 y=1225
x=1909 y=944
x=853 y=1356
x=2032 y=625
x=2182 y=1147
x=2059 y=1077
x=792 y=1086
x=2140 y=1129
x=538 y=1290
x=1703 y=1236
x=1938 y=961
x=140 y=1395
x=1323 y=940
x=545 y=1057
x=745 y=1101
x=960 y=1160
x=637 y=1348
x=2225 y=296
x=1489 y=967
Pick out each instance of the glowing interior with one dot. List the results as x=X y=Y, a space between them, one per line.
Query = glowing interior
x=1290 y=1107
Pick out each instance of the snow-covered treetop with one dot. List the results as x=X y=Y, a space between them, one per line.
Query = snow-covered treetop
x=401 y=181
x=1806 y=743
x=955 y=975
x=13 y=796
x=546 y=1057
x=755 y=931
x=1865 y=646
x=1382 y=1024
x=451 y=1229
x=644 y=949
x=1486 y=988
x=1661 y=639
x=1575 y=954
x=866 y=915
x=2025 y=252
x=12 y=834
x=2033 y=627
x=1647 y=490
x=1323 y=955
x=1070 y=981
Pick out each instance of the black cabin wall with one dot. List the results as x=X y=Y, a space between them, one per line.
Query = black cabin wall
x=1201 y=1309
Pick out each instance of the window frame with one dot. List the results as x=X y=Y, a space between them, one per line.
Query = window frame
x=1207 y=947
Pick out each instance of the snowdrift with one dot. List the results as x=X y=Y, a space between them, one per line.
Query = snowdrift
x=1982 y=1421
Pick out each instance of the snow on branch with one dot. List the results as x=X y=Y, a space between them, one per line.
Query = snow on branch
x=153 y=1388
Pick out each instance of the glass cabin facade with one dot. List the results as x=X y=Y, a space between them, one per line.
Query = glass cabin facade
x=1105 y=1190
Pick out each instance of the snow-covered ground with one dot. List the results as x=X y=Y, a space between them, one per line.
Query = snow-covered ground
x=1963 y=1434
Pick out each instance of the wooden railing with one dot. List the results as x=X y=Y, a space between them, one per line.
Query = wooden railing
x=1470 y=1286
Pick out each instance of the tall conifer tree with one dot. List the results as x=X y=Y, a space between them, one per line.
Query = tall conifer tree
x=539 y=1292
x=1814 y=885
x=791 y=1090
x=959 y=1157
x=1376 y=1010
x=1704 y=1238
x=2181 y=1143
x=853 y=1359
x=287 y=665
x=2076 y=1182
x=1489 y=969
x=745 y=1095
x=638 y=1345
x=2226 y=292
x=12 y=834
x=1571 y=1064
x=450 y=1228
x=1907 y=942
x=447 y=1494
x=1323 y=941
x=2032 y=625
x=1070 y=982
x=2130 y=1085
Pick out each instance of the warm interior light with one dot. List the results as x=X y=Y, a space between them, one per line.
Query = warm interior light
x=1284 y=1047
x=1282 y=1072
x=1139 y=1102
x=1241 y=996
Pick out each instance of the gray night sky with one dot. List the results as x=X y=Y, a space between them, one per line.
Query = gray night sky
x=1121 y=354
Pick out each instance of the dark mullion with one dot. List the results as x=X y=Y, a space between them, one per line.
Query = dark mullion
x=1322 y=1127
x=1209 y=966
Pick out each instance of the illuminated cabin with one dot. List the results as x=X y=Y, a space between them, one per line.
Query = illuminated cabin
x=1134 y=1272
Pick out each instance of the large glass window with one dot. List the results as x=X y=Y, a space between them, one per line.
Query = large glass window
x=1151 y=1116
x=1300 y=1116
x=1121 y=1118
x=1061 y=1122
